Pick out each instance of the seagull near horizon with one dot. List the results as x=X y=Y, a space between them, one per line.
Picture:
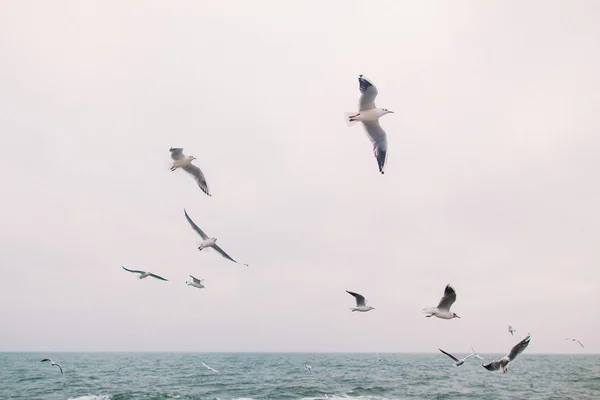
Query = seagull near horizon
x=514 y=352
x=144 y=274
x=575 y=340
x=308 y=368
x=53 y=364
x=461 y=361
x=361 y=303
x=511 y=330
x=209 y=368
x=443 y=309
x=195 y=283
x=185 y=162
x=369 y=115
x=208 y=242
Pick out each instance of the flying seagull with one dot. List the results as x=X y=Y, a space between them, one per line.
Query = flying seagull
x=209 y=368
x=144 y=274
x=361 y=303
x=208 y=242
x=369 y=115
x=185 y=162
x=514 y=352
x=378 y=358
x=195 y=283
x=460 y=361
x=52 y=363
x=308 y=367
x=443 y=309
x=511 y=330
x=575 y=340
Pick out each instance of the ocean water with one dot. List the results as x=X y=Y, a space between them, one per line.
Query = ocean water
x=158 y=376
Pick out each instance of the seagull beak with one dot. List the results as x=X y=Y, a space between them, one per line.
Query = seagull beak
x=390 y=111
x=458 y=317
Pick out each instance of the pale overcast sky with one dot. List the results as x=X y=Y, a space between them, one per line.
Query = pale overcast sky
x=491 y=183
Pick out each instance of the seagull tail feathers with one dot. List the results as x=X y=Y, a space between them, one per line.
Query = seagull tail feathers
x=349 y=120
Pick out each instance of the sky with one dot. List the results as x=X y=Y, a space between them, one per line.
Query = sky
x=491 y=182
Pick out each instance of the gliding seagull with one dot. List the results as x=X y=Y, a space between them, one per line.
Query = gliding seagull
x=308 y=368
x=461 y=361
x=361 y=303
x=443 y=309
x=207 y=367
x=195 y=283
x=208 y=242
x=511 y=330
x=575 y=340
x=52 y=363
x=514 y=352
x=369 y=115
x=144 y=274
x=185 y=163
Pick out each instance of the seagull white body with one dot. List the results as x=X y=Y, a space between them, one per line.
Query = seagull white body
x=144 y=274
x=514 y=352
x=195 y=282
x=185 y=162
x=308 y=368
x=575 y=340
x=208 y=242
x=361 y=303
x=369 y=115
x=511 y=330
x=209 y=368
x=52 y=363
x=460 y=361
x=443 y=309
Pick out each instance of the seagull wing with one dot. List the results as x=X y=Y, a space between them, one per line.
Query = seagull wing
x=369 y=92
x=196 y=280
x=360 y=299
x=198 y=176
x=493 y=366
x=133 y=270
x=46 y=359
x=194 y=226
x=518 y=348
x=379 y=140
x=158 y=277
x=581 y=344
x=176 y=153
x=227 y=256
x=449 y=355
x=61 y=371
x=448 y=299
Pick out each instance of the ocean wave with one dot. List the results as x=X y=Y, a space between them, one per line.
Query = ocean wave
x=91 y=397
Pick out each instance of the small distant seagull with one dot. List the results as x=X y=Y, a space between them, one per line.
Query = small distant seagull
x=378 y=358
x=52 y=363
x=195 y=283
x=185 y=163
x=514 y=352
x=575 y=340
x=209 y=368
x=511 y=330
x=308 y=367
x=369 y=115
x=443 y=309
x=475 y=354
x=361 y=303
x=144 y=274
x=460 y=361
x=208 y=242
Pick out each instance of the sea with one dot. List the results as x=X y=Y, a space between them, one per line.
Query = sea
x=159 y=376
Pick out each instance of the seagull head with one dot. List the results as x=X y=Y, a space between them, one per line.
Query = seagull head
x=386 y=111
x=455 y=316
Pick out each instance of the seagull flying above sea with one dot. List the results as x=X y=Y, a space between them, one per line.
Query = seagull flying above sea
x=511 y=330
x=369 y=115
x=208 y=242
x=185 y=162
x=575 y=340
x=52 y=363
x=144 y=274
x=209 y=368
x=195 y=283
x=308 y=368
x=443 y=309
x=361 y=303
x=460 y=361
x=514 y=352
